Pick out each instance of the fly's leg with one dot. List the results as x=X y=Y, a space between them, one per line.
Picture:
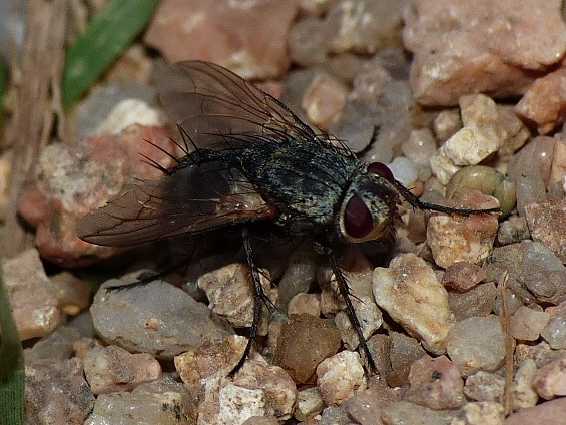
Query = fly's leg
x=345 y=293
x=259 y=296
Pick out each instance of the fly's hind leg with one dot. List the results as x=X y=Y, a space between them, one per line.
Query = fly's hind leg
x=259 y=299
x=345 y=293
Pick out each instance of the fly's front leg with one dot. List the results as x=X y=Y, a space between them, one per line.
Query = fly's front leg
x=259 y=295
x=345 y=293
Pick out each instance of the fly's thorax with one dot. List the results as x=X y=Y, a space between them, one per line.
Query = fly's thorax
x=367 y=211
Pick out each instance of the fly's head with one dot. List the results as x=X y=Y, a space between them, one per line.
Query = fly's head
x=370 y=205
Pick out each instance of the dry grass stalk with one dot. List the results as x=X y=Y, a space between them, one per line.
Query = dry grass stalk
x=37 y=98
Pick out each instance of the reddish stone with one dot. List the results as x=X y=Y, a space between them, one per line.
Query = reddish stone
x=248 y=37
x=74 y=180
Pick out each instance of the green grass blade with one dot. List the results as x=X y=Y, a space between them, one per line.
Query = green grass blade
x=12 y=402
x=106 y=37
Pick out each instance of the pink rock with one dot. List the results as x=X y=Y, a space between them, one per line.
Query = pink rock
x=550 y=380
x=324 y=100
x=547 y=224
x=463 y=276
x=248 y=37
x=549 y=413
x=545 y=101
x=77 y=179
x=34 y=304
x=464 y=47
x=436 y=383
x=455 y=239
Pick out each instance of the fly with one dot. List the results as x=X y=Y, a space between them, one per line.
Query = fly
x=248 y=159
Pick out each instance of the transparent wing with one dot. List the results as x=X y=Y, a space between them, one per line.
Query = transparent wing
x=191 y=200
x=209 y=102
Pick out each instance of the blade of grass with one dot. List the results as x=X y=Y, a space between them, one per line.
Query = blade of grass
x=11 y=365
x=106 y=37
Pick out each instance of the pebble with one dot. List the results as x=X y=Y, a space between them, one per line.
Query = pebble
x=435 y=383
x=446 y=124
x=369 y=82
x=95 y=108
x=455 y=54
x=340 y=376
x=305 y=304
x=420 y=146
x=547 y=225
x=309 y=403
x=515 y=132
x=113 y=369
x=34 y=304
x=230 y=294
x=332 y=415
x=260 y=28
x=77 y=178
x=410 y=292
x=197 y=365
x=365 y=26
x=513 y=230
x=487 y=180
x=369 y=316
x=477 y=344
x=73 y=295
x=308 y=41
x=403 y=353
x=454 y=239
x=548 y=413
x=477 y=302
x=128 y=112
x=155 y=318
x=463 y=276
x=392 y=114
x=404 y=412
x=303 y=344
x=523 y=393
x=298 y=277
x=544 y=102
x=279 y=390
x=481 y=135
x=237 y=404
x=56 y=393
x=442 y=167
x=550 y=380
x=164 y=402
x=367 y=406
x=324 y=100
x=485 y=386
x=404 y=170
x=520 y=261
x=555 y=332
x=540 y=353
x=56 y=346
x=481 y=413
x=527 y=324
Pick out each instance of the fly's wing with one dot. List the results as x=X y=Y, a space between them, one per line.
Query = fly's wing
x=215 y=109
x=191 y=200
x=218 y=109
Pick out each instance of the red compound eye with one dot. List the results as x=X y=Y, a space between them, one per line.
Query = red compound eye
x=381 y=169
x=358 y=221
